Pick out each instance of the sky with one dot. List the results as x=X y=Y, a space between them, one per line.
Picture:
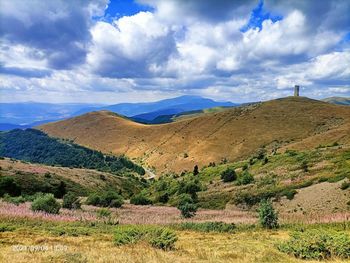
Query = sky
x=100 y=51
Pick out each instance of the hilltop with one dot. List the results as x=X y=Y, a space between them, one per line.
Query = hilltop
x=229 y=135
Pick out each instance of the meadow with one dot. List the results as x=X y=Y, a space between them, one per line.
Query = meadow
x=86 y=235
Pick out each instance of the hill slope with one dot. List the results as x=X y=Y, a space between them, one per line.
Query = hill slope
x=35 y=146
x=232 y=134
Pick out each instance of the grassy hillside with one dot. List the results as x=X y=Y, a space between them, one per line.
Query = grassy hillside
x=232 y=134
x=312 y=182
x=42 y=178
x=35 y=146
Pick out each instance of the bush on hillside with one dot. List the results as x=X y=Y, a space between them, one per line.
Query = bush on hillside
x=187 y=206
x=245 y=178
x=14 y=199
x=108 y=199
x=140 y=199
x=268 y=217
x=195 y=170
x=9 y=186
x=158 y=237
x=317 y=245
x=71 y=201
x=46 y=203
x=229 y=175
x=190 y=187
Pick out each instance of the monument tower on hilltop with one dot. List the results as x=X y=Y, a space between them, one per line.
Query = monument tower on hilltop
x=296 y=90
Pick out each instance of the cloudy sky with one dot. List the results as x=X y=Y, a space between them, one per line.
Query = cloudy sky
x=122 y=50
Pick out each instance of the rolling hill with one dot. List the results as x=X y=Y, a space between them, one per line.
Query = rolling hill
x=35 y=146
x=229 y=135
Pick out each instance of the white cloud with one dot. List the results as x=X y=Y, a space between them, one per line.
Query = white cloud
x=181 y=47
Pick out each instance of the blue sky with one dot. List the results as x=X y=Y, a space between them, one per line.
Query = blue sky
x=101 y=51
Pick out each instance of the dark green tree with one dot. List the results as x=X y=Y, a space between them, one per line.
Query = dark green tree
x=268 y=217
x=229 y=175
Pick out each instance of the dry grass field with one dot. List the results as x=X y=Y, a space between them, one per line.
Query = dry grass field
x=231 y=134
x=42 y=241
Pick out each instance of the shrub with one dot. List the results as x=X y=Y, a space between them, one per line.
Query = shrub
x=158 y=237
x=162 y=238
x=93 y=199
x=14 y=200
x=289 y=193
x=207 y=227
x=46 y=203
x=229 y=175
x=140 y=199
x=103 y=212
x=317 y=244
x=304 y=166
x=8 y=185
x=245 y=178
x=268 y=217
x=162 y=197
x=6 y=228
x=71 y=201
x=195 y=170
x=108 y=199
x=187 y=206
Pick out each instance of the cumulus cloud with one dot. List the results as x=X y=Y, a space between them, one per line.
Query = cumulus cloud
x=59 y=29
x=237 y=50
x=136 y=46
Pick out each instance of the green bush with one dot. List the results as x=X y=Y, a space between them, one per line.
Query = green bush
x=220 y=227
x=8 y=185
x=317 y=244
x=93 y=199
x=71 y=201
x=229 y=175
x=46 y=203
x=158 y=237
x=108 y=199
x=6 y=228
x=268 y=217
x=289 y=193
x=140 y=199
x=245 y=178
x=14 y=200
x=187 y=206
x=162 y=238
x=103 y=212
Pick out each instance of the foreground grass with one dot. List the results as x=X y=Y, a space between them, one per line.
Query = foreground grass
x=93 y=242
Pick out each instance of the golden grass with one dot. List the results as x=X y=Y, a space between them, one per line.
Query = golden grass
x=232 y=134
x=246 y=246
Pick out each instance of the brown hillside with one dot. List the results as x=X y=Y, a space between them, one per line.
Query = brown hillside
x=232 y=134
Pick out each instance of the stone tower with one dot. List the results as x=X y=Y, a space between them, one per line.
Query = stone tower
x=296 y=91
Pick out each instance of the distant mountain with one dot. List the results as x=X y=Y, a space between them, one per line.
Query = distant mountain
x=31 y=114
x=27 y=113
x=10 y=126
x=159 y=118
x=162 y=107
x=338 y=100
